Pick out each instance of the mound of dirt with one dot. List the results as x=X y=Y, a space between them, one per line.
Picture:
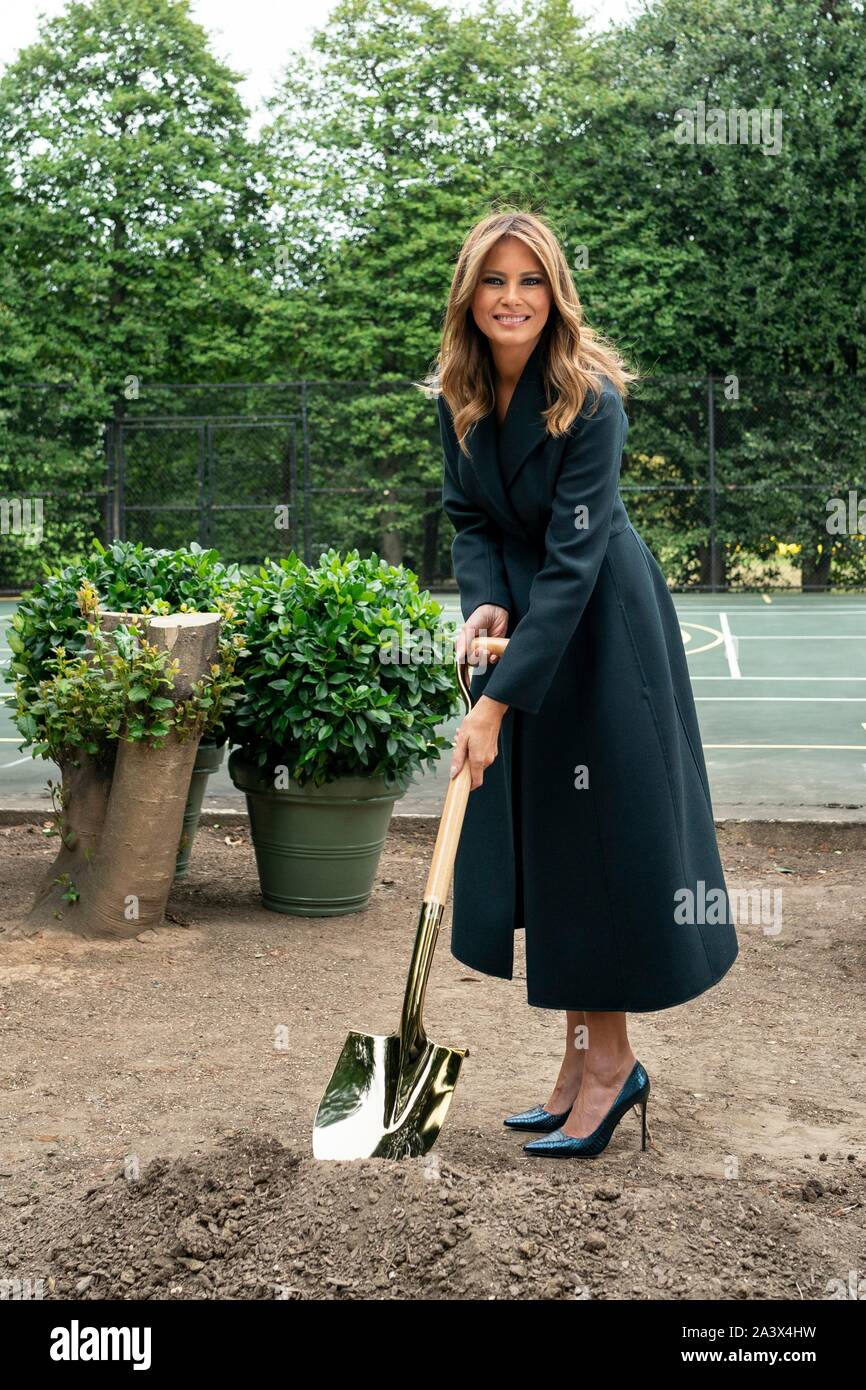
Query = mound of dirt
x=187 y=1049
x=253 y=1220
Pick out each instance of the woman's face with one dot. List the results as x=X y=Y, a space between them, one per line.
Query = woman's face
x=512 y=298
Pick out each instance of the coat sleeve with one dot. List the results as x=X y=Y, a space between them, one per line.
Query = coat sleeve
x=575 y=544
x=476 y=550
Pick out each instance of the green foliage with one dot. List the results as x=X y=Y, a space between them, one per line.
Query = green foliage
x=399 y=129
x=131 y=210
x=51 y=449
x=76 y=687
x=120 y=688
x=149 y=238
x=133 y=195
x=344 y=673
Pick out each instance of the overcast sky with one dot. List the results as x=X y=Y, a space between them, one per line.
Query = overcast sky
x=253 y=36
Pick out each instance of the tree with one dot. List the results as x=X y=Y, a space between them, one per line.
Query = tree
x=723 y=258
x=131 y=211
x=136 y=194
x=402 y=127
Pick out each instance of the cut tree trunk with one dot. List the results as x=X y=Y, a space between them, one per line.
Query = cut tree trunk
x=126 y=885
x=84 y=790
x=125 y=879
x=80 y=818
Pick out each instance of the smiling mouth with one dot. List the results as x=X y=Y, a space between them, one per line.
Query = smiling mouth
x=511 y=318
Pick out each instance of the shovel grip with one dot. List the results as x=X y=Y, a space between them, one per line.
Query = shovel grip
x=459 y=787
x=493 y=646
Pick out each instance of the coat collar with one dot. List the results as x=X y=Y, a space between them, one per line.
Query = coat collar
x=498 y=459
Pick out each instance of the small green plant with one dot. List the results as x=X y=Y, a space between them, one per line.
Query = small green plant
x=347 y=671
x=70 y=892
x=76 y=688
x=121 y=687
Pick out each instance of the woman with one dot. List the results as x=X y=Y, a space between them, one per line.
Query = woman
x=593 y=831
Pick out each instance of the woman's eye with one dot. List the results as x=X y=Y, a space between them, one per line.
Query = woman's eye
x=528 y=280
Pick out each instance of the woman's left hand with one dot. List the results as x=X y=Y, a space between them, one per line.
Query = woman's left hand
x=478 y=739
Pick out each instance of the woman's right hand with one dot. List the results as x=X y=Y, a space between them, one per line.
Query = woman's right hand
x=487 y=621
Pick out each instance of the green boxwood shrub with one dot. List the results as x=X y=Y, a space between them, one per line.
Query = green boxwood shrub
x=347 y=670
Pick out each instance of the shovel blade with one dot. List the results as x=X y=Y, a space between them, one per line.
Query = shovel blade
x=381 y=1103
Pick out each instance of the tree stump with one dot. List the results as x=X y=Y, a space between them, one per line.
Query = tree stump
x=84 y=790
x=124 y=873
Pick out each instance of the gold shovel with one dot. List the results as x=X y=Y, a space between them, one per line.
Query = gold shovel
x=388 y=1096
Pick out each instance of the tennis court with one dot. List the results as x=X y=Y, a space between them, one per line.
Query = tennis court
x=780 y=686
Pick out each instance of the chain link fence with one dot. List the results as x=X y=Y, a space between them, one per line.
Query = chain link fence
x=735 y=484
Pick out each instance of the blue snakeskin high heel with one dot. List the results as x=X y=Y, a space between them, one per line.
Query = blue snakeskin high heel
x=634 y=1092
x=538 y=1119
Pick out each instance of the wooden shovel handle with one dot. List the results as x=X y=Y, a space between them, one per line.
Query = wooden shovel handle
x=494 y=646
x=451 y=823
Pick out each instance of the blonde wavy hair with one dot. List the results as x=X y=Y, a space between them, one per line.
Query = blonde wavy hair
x=576 y=357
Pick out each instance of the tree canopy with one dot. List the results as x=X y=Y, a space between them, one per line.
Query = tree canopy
x=149 y=236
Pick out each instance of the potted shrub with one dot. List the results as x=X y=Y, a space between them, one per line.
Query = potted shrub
x=345 y=681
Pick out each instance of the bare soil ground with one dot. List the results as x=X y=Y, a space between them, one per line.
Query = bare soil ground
x=158 y=1097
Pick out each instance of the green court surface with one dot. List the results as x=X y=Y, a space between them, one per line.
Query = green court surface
x=780 y=687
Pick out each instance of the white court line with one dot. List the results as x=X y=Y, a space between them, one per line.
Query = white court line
x=801 y=637
x=730 y=649
x=3 y=766
x=740 y=612
x=781 y=678
x=782 y=699
x=831 y=747
x=742 y=603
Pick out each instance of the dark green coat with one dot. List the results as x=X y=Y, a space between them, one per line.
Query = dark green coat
x=591 y=864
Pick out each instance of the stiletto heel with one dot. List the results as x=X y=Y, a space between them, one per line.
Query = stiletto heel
x=644 y=1127
x=634 y=1093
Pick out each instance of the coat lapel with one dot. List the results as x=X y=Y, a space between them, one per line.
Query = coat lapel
x=524 y=427
x=497 y=460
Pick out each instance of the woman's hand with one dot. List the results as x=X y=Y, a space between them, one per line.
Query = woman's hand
x=486 y=621
x=478 y=736
x=478 y=739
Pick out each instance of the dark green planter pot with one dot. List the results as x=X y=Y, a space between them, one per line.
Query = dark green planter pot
x=208 y=758
x=317 y=848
